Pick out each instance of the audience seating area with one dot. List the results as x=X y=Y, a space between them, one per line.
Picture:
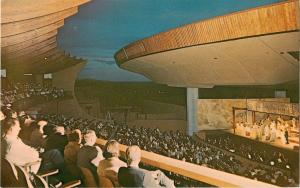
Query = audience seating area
x=17 y=92
x=255 y=150
x=216 y=152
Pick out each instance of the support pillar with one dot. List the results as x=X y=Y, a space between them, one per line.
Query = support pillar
x=192 y=110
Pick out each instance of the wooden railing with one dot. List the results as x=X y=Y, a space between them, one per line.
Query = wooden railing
x=275 y=18
x=193 y=171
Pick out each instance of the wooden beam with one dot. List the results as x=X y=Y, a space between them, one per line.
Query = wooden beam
x=15 y=39
x=28 y=43
x=23 y=26
x=29 y=50
x=17 y=10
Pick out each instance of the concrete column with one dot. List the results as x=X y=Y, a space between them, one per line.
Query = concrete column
x=192 y=110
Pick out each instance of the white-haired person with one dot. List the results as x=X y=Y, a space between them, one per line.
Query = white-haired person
x=13 y=149
x=90 y=155
x=109 y=167
x=133 y=176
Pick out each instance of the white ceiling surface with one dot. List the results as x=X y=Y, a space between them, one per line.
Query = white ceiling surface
x=248 y=61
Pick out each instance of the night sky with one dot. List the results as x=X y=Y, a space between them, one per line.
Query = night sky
x=102 y=27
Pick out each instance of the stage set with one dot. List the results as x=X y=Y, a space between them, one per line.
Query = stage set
x=273 y=121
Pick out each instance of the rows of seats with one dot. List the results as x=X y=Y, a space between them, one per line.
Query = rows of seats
x=177 y=145
x=31 y=127
x=15 y=92
x=173 y=144
x=17 y=176
x=255 y=151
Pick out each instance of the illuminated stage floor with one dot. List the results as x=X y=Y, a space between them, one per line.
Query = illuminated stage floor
x=293 y=141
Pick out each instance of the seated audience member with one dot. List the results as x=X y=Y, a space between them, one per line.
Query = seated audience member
x=27 y=126
x=71 y=151
x=13 y=149
x=9 y=113
x=109 y=167
x=90 y=155
x=57 y=140
x=2 y=116
x=133 y=176
x=37 y=138
x=73 y=146
x=54 y=148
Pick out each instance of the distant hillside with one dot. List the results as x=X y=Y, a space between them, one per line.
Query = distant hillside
x=128 y=93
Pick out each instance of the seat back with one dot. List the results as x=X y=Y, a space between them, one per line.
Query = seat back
x=23 y=177
x=38 y=181
x=105 y=182
x=88 y=177
x=9 y=175
x=74 y=171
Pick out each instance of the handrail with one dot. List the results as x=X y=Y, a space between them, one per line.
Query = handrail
x=193 y=171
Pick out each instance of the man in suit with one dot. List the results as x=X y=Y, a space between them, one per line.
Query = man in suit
x=89 y=155
x=133 y=176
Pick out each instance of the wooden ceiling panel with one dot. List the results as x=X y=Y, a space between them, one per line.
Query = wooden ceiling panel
x=32 y=57
x=28 y=51
x=15 y=39
x=250 y=47
x=29 y=29
x=14 y=28
x=17 y=10
x=247 y=61
x=265 y=20
x=28 y=43
x=39 y=60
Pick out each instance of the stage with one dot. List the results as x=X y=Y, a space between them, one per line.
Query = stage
x=293 y=140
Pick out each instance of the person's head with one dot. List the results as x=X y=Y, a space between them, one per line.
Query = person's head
x=9 y=113
x=111 y=149
x=75 y=136
x=59 y=130
x=90 y=137
x=2 y=116
x=21 y=113
x=11 y=127
x=48 y=129
x=40 y=125
x=133 y=155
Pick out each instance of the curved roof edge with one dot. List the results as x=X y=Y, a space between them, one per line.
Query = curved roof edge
x=264 y=20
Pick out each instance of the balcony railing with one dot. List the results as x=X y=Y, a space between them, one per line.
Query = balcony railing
x=193 y=171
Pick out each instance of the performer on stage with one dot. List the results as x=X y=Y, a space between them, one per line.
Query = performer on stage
x=286 y=135
x=282 y=136
x=278 y=129
x=267 y=133
x=273 y=131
